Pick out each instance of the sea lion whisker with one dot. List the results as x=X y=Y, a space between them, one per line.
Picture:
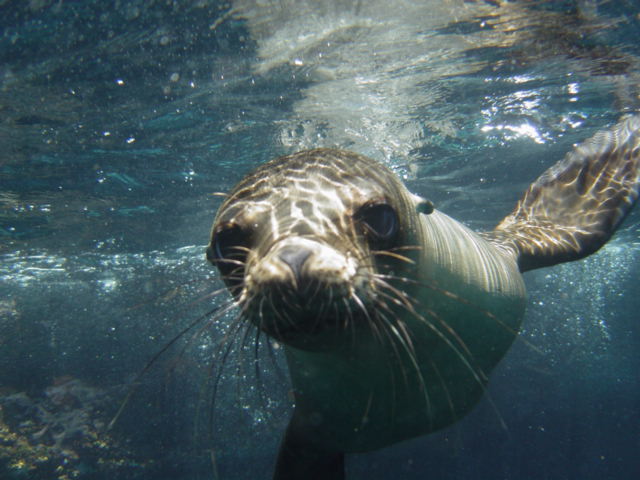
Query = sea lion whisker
x=228 y=261
x=256 y=363
x=209 y=296
x=165 y=295
x=391 y=254
x=329 y=301
x=236 y=320
x=455 y=335
x=396 y=296
x=360 y=304
x=321 y=313
x=319 y=319
x=210 y=321
x=316 y=291
x=365 y=415
x=383 y=321
x=239 y=374
x=281 y=315
x=278 y=312
x=337 y=316
x=478 y=374
x=261 y=325
x=444 y=386
x=348 y=320
x=442 y=382
x=481 y=377
x=218 y=360
x=382 y=329
x=462 y=300
x=216 y=312
x=410 y=308
x=262 y=322
x=219 y=194
x=322 y=309
x=400 y=302
x=288 y=317
x=237 y=275
x=245 y=336
x=350 y=315
x=405 y=248
x=443 y=291
x=407 y=344
x=384 y=324
x=225 y=346
x=398 y=322
x=272 y=357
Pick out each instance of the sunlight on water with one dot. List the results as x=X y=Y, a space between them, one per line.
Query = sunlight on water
x=524 y=130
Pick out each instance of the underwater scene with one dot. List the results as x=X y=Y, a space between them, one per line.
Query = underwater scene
x=123 y=126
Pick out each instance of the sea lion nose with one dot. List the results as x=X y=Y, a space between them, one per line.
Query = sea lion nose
x=295 y=256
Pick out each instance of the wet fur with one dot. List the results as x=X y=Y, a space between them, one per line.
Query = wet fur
x=411 y=343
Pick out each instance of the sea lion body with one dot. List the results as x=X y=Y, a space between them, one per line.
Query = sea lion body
x=373 y=394
x=392 y=313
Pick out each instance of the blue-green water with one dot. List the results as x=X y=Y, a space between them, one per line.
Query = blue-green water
x=119 y=120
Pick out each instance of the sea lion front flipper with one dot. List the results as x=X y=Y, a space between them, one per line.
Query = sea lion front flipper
x=301 y=459
x=575 y=206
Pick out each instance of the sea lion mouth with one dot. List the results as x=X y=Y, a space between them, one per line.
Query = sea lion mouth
x=303 y=287
x=299 y=315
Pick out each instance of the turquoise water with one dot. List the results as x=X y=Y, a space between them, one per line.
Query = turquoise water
x=117 y=124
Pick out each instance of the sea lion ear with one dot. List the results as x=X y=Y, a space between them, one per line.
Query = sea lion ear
x=423 y=205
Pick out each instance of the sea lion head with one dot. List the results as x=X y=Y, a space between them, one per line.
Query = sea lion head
x=309 y=244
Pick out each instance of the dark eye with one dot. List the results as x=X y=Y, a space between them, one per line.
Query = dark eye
x=228 y=251
x=380 y=222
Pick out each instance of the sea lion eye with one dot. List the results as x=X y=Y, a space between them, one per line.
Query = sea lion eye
x=228 y=251
x=379 y=220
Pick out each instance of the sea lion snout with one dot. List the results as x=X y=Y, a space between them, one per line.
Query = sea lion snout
x=297 y=266
x=301 y=287
x=295 y=257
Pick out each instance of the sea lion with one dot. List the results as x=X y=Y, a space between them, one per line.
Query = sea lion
x=392 y=313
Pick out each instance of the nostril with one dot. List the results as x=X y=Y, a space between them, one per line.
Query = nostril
x=295 y=257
